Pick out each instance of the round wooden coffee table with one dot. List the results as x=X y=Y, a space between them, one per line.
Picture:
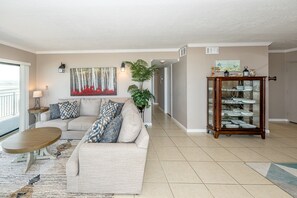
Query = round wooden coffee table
x=34 y=142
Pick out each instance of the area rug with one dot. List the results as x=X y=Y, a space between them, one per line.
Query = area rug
x=45 y=178
x=284 y=175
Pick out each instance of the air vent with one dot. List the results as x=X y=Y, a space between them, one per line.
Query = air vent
x=182 y=51
x=212 y=50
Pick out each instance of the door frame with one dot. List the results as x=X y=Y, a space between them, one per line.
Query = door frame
x=24 y=91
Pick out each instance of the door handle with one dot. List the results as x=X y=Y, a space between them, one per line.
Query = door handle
x=272 y=78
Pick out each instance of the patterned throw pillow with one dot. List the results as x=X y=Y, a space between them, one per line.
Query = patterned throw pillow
x=69 y=110
x=119 y=109
x=107 y=112
x=54 y=111
x=111 y=133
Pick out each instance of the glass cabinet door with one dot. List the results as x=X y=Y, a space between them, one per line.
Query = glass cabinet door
x=240 y=104
x=210 y=95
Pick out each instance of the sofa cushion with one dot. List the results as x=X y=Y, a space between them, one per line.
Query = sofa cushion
x=69 y=110
x=131 y=126
x=107 y=112
x=82 y=123
x=54 y=111
x=119 y=109
x=111 y=133
x=61 y=124
x=129 y=105
x=90 y=106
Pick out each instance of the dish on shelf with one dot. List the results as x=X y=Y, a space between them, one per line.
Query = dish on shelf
x=232 y=126
x=240 y=88
x=247 y=113
x=238 y=122
x=248 y=126
x=247 y=101
x=248 y=88
x=234 y=114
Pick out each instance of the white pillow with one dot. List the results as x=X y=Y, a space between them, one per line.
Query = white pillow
x=131 y=127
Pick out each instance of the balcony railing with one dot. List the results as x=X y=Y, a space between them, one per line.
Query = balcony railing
x=9 y=103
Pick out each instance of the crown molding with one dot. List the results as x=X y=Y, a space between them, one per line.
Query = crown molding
x=283 y=51
x=16 y=46
x=108 y=51
x=241 y=44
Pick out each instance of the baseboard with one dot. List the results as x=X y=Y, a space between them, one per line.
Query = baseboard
x=148 y=124
x=179 y=124
x=278 y=120
x=196 y=130
x=161 y=109
x=267 y=131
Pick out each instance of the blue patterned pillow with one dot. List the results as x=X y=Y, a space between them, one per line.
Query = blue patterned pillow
x=112 y=131
x=107 y=112
x=119 y=109
x=54 y=111
x=69 y=110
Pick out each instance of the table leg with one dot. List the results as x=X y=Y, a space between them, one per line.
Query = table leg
x=46 y=154
x=30 y=160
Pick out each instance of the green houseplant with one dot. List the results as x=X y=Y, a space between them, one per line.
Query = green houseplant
x=141 y=72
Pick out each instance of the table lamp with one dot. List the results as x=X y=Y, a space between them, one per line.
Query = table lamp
x=37 y=95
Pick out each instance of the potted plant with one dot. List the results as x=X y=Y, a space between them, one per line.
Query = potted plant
x=141 y=72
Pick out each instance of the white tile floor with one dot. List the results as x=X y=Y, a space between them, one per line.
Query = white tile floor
x=194 y=165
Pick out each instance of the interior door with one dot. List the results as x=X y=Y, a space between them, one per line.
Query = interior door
x=292 y=92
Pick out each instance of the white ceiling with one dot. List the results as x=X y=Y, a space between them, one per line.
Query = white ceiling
x=51 y=25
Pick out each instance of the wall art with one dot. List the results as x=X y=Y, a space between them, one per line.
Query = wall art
x=229 y=65
x=93 y=81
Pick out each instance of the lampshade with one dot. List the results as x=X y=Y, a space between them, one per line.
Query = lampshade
x=37 y=94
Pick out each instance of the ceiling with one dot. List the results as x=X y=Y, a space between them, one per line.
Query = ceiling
x=55 y=25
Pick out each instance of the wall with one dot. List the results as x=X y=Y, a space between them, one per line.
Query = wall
x=277 y=91
x=198 y=68
x=168 y=69
x=179 y=91
x=156 y=86
x=11 y=53
x=59 y=83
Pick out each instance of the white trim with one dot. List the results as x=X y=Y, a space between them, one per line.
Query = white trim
x=161 y=109
x=148 y=124
x=267 y=131
x=3 y=60
x=196 y=130
x=242 y=44
x=108 y=51
x=179 y=124
x=24 y=97
x=165 y=90
x=282 y=51
x=16 y=46
x=278 y=120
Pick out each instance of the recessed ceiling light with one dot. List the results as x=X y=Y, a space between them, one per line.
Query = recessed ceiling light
x=162 y=61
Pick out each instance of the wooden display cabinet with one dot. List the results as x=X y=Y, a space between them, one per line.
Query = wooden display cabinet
x=236 y=105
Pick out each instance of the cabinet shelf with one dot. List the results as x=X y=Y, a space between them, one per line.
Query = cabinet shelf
x=236 y=105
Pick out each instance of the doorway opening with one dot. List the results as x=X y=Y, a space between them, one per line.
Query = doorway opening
x=9 y=98
x=162 y=84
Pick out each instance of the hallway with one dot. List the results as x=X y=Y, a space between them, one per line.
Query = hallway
x=197 y=165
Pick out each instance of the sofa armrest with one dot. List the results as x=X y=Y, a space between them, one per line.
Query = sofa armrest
x=45 y=116
x=115 y=160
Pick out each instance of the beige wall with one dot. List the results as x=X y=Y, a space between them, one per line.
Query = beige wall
x=179 y=91
x=161 y=87
x=277 y=108
x=59 y=83
x=198 y=68
x=11 y=53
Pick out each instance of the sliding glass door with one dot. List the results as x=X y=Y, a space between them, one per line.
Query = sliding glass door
x=9 y=98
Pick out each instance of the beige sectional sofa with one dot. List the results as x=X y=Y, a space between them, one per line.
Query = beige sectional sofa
x=104 y=167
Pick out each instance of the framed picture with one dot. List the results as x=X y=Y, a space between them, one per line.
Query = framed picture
x=229 y=65
x=93 y=81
